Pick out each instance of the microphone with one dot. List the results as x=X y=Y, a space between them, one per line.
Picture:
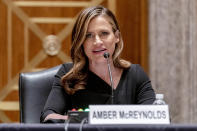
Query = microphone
x=106 y=56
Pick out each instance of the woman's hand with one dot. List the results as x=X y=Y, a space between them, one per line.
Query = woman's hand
x=56 y=116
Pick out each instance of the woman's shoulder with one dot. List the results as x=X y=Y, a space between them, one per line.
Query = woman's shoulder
x=138 y=72
x=136 y=69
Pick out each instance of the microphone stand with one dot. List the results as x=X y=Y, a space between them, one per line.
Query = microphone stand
x=106 y=55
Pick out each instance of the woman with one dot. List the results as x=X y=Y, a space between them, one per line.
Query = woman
x=86 y=81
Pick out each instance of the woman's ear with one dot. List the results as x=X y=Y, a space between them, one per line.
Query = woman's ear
x=117 y=35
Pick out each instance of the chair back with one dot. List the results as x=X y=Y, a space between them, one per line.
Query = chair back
x=34 y=88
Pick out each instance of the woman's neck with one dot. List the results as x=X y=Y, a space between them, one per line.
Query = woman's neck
x=99 y=68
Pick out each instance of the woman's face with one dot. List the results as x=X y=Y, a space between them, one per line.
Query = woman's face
x=100 y=39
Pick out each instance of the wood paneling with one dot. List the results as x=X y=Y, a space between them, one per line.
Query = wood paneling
x=34 y=45
x=132 y=16
x=25 y=52
x=17 y=45
x=3 y=45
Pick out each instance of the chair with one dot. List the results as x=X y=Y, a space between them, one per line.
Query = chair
x=34 y=88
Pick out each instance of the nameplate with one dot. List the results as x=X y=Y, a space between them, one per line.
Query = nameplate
x=129 y=114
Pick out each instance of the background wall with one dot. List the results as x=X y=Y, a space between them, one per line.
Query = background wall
x=173 y=55
x=26 y=26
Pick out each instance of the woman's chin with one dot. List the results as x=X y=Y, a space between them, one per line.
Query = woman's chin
x=98 y=60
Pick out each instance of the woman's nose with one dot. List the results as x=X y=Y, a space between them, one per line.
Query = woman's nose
x=97 y=40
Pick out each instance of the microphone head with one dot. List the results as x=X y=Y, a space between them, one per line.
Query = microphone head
x=106 y=55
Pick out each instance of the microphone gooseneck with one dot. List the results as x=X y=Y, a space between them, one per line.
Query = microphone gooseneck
x=106 y=56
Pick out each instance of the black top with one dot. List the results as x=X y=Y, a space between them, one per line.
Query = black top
x=134 y=87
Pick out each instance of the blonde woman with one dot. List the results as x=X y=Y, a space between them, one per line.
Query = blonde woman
x=86 y=80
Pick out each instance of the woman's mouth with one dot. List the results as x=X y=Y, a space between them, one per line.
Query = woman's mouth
x=99 y=50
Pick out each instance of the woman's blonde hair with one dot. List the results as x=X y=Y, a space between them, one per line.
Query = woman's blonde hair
x=76 y=78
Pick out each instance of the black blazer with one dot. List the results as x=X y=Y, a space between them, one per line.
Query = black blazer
x=134 y=88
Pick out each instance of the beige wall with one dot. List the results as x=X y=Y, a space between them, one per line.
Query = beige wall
x=173 y=55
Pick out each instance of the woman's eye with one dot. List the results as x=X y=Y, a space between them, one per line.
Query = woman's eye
x=104 y=33
x=88 y=35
